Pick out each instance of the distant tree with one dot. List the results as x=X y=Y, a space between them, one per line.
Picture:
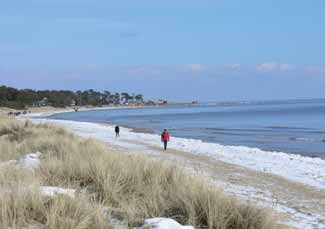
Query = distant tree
x=78 y=98
x=132 y=97
x=106 y=97
x=139 y=98
x=20 y=99
x=117 y=98
x=125 y=97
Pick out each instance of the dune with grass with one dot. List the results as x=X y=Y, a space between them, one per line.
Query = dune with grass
x=109 y=187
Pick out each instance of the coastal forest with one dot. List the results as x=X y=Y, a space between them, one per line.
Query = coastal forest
x=23 y=98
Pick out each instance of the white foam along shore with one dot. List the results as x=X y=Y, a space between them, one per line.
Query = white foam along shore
x=306 y=170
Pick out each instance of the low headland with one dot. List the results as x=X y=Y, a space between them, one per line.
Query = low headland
x=17 y=102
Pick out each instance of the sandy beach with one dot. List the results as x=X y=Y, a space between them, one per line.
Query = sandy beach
x=297 y=204
x=53 y=178
x=49 y=110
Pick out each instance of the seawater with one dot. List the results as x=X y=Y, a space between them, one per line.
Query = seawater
x=287 y=126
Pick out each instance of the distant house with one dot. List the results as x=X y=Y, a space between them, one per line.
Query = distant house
x=110 y=99
x=73 y=102
x=162 y=102
x=42 y=103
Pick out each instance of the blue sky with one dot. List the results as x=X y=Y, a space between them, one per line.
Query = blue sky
x=172 y=49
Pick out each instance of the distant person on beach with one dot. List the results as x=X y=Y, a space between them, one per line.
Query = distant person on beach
x=117 y=131
x=165 y=138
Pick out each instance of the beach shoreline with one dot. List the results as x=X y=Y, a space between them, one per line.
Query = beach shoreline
x=60 y=162
x=50 y=110
x=261 y=187
x=273 y=162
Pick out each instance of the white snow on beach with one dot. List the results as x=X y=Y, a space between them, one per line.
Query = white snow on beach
x=306 y=170
x=164 y=223
x=53 y=191
x=30 y=161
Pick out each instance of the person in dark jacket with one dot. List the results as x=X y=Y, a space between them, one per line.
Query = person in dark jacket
x=165 y=138
x=117 y=131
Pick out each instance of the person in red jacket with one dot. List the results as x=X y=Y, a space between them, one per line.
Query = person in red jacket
x=165 y=138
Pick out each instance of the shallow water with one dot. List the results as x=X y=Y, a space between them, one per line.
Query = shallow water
x=286 y=126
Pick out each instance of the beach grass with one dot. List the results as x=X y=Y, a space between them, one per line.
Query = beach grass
x=22 y=204
x=131 y=187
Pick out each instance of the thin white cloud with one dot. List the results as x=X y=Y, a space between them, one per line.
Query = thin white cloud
x=233 y=67
x=274 y=66
x=319 y=70
x=267 y=67
x=195 y=67
x=286 y=67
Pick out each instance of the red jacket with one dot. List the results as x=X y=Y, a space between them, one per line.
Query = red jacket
x=165 y=136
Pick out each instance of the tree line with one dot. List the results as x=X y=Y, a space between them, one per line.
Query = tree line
x=23 y=98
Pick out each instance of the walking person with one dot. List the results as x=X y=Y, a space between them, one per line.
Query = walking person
x=117 y=131
x=165 y=138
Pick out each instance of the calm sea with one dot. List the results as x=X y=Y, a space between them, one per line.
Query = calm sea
x=286 y=126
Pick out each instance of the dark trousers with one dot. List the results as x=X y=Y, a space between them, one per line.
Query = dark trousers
x=165 y=145
x=117 y=134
